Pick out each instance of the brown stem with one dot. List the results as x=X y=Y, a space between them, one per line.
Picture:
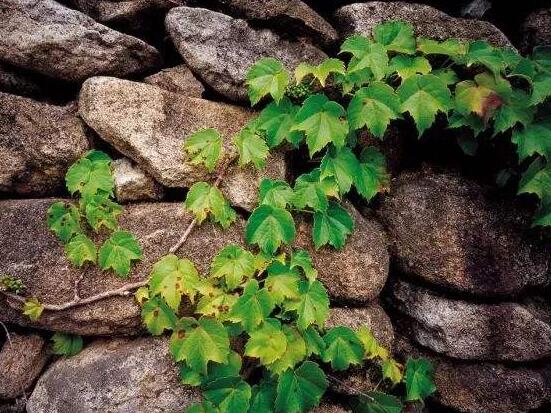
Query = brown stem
x=355 y=391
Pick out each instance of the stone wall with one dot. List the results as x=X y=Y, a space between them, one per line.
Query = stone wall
x=439 y=267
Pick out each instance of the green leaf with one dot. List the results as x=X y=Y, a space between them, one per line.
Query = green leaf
x=171 y=278
x=203 y=407
x=277 y=194
x=230 y=394
x=396 y=36
x=449 y=47
x=268 y=343
x=253 y=307
x=332 y=226
x=392 y=370
x=533 y=139
x=372 y=177
x=158 y=317
x=81 y=249
x=372 y=349
x=378 y=402
x=215 y=303
x=204 y=200
x=66 y=344
x=472 y=98
x=423 y=96
x=277 y=120
x=64 y=220
x=233 y=263
x=312 y=306
x=33 y=309
x=267 y=77
x=311 y=191
x=407 y=66
x=419 y=379
x=321 y=71
x=118 y=252
x=366 y=55
x=295 y=351
x=481 y=53
x=300 y=390
x=342 y=165
x=269 y=227
x=374 y=107
x=314 y=342
x=251 y=147
x=263 y=398
x=199 y=341
x=302 y=259
x=537 y=180
x=541 y=87
x=204 y=147
x=542 y=57
x=282 y=282
x=322 y=121
x=102 y=212
x=343 y=348
x=90 y=177
x=448 y=76
x=97 y=156
x=516 y=110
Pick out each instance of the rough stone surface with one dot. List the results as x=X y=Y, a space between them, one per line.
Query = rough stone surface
x=220 y=49
x=447 y=232
x=468 y=331
x=33 y=254
x=536 y=30
x=114 y=376
x=330 y=408
x=361 y=18
x=149 y=125
x=22 y=358
x=38 y=143
x=178 y=79
x=133 y=184
x=13 y=81
x=46 y=37
x=289 y=16
x=359 y=273
x=478 y=387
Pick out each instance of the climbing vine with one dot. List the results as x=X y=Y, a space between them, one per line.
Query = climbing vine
x=255 y=340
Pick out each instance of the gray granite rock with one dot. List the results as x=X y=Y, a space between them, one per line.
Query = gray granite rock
x=448 y=232
x=178 y=79
x=464 y=330
x=13 y=81
x=132 y=183
x=38 y=143
x=54 y=40
x=110 y=376
x=22 y=358
x=536 y=30
x=220 y=49
x=361 y=18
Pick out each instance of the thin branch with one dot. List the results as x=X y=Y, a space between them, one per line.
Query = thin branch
x=356 y=391
x=7 y=333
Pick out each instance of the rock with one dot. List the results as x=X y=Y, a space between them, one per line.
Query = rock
x=460 y=329
x=329 y=408
x=358 y=273
x=291 y=16
x=475 y=9
x=13 y=81
x=33 y=254
x=133 y=184
x=372 y=316
x=137 y=376
x=478 y=387
x=22 y=358
x=38 y=143
x=536 y=30
x=178 y=79
x=149 y=125
x=361 y=18
x=46 y=37
x=446 y=231
x=220 y=49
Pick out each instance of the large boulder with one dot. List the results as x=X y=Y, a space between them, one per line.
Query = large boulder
x=358 y=274
x=221 y=49
x=469 y=331
x=132 y=183
x=177 y=79
x=31 y=252
x=46 y=37
x=21 y=360
x=361 y=18
x=13 y=81
x=536 y=30
x=446 y=231
x=137 y=376
x=38 y=143
x=479 y=387
x=149 y=125
x=288 y=16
